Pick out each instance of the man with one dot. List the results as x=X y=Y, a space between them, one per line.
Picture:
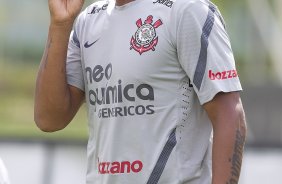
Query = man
x=157 y=76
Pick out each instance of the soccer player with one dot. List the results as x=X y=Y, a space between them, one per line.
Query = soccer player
x=160 y=84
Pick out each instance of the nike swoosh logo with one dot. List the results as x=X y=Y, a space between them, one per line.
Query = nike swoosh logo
x=87 y=45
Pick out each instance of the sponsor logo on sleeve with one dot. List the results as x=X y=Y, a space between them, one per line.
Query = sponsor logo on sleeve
x=228 y=74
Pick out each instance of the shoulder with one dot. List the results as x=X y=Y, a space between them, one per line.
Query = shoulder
x=194 y=11
x=171 y=3
x=92 y=11
x=196 y=6
x=191 y=3
x=97 y=7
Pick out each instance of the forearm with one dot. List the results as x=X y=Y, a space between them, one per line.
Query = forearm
x=229 y=131
x=52 y=94
x=228 y=150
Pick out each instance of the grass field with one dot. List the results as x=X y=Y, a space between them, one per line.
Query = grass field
x=17 y=83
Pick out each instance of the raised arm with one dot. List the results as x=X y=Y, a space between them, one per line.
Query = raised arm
x=229 y=127
x=56 y=102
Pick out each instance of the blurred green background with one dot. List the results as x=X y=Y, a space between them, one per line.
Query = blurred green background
x=23 y=31
x=255 y=31
x=254 y=27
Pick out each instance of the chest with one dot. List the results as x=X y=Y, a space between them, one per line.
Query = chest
x=128 y=47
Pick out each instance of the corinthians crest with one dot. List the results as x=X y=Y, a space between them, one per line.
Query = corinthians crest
x=145 y=38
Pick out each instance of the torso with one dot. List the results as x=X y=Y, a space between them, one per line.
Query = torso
x=140 y=98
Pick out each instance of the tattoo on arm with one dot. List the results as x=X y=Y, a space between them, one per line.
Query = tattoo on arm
x=236 y=159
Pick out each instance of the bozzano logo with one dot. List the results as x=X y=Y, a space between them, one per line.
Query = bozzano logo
x=120 y=167
x=229 y=74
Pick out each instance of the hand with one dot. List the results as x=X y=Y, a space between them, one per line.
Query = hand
x=64 y=11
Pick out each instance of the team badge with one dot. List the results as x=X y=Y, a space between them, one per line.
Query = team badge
x=145 y=37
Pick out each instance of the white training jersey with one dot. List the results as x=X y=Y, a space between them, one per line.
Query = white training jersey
x=146 y=69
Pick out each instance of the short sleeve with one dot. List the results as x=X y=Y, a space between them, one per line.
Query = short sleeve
x=204 y=50
x=74 y=69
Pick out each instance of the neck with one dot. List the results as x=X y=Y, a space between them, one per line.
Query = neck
x=122 y=2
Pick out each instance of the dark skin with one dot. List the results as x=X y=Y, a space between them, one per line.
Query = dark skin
x=55 y=106
x=229 y=126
